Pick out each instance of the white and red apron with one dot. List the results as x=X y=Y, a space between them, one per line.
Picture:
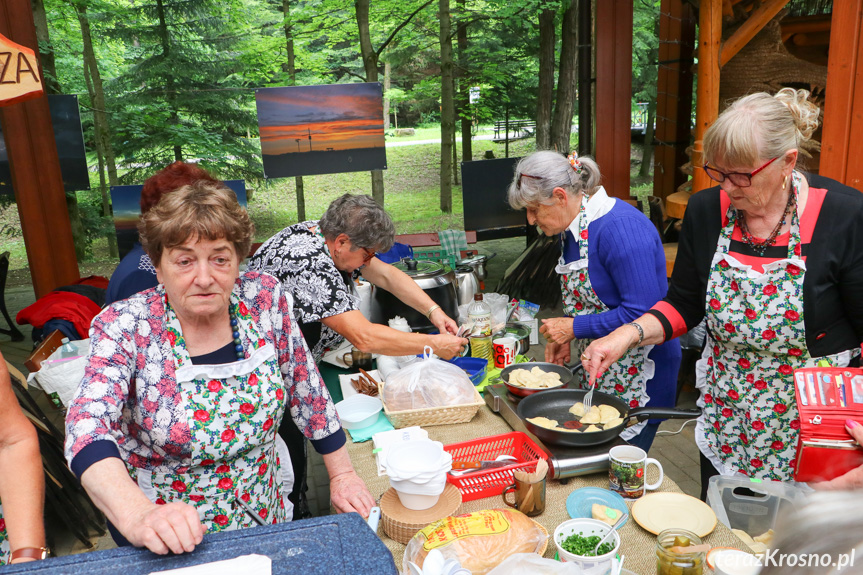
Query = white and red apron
x=233 y=412
x=756 y=339
x=628 y=377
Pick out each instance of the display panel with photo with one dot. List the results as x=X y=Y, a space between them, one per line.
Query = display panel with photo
x=310 y=130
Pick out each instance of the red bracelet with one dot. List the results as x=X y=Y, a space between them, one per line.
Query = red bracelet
x=29 y=553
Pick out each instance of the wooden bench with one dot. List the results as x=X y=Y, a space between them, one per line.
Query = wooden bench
x=521 y=128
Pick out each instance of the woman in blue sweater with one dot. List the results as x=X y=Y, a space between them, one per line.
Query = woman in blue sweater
x=612 y=270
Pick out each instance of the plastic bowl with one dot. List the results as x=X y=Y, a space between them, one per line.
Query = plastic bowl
x=417 y=502
x=476 y=367
x=586 y=527
x=358 y=411
x=421 y=460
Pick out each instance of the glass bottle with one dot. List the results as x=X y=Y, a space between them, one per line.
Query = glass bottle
x=479 y=316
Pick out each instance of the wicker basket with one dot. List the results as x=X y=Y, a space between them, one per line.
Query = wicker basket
x=432 y=415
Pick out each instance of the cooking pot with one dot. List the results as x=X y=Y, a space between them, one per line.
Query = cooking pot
x=478 y=265
x=437 y=280
x=521 y=334
x=467 y=284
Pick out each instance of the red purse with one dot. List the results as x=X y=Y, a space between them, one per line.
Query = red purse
x=826 y=398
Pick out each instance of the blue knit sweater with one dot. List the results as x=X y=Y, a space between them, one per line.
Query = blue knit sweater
x=626 y=263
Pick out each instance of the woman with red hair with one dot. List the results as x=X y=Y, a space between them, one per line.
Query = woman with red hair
x=136 y=272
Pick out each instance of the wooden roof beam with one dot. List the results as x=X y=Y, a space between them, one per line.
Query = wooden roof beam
x=756 y=21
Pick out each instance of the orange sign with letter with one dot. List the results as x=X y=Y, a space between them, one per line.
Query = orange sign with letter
x=19 y=73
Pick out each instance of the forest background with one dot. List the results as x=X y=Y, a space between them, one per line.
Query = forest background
x=166 y=80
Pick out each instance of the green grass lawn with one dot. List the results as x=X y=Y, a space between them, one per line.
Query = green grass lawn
x=431 y=133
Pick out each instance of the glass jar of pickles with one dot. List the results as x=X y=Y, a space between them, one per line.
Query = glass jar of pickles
x=671 y=555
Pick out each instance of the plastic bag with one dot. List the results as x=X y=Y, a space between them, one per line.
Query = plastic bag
x=535 y=565
x=428 y=382
x=480 y=541
x=496 y=301
x=60 y=377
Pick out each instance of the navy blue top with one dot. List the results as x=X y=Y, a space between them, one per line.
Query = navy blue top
x=134 y=273
x=626 y=263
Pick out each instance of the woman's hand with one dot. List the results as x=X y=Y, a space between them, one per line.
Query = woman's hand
x=173 y=527
x=603 y=352
x=854 y=478
x=557 y=329
x=448 y=346
x=556 y=353
x=443 y=322
x=349 y=493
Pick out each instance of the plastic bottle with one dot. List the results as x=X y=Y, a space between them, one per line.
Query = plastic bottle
x=479 y=316
x=67 y=349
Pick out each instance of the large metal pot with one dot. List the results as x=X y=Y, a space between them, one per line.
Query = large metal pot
x=467 y=284
x=436 y=279
x=521 y=334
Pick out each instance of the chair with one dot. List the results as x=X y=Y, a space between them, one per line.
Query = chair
x=13 y=331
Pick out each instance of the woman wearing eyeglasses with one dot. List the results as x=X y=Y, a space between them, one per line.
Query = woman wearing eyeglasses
x=317 y=263
x=773 y=258
x=612 y=269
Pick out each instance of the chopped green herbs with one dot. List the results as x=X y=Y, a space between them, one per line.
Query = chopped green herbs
x=583 y=546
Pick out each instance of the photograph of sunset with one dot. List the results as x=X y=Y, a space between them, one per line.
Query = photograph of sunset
x=310 y=130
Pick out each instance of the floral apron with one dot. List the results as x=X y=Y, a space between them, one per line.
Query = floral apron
x=5 y=551
x=756 y=339
x=234 y=412
x=628 y=377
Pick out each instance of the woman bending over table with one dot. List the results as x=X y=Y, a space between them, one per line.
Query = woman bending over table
x=612 y=270
x=173 y=429
x=773 y=257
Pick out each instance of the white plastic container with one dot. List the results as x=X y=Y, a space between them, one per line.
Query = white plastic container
x=599 y=565
x=735 y=562
x=417 y=471
x=751 y=506
x=358 y=411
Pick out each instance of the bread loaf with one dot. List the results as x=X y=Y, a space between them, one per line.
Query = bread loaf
x=479 y=541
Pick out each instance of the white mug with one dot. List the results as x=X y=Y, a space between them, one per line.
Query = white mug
x=504 y=351
x=627 y=471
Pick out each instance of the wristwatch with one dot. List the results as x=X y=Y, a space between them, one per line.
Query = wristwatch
x=29 y=553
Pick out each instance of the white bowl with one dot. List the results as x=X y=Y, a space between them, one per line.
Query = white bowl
x=421 y=460
x=358 y=411
x=598 y=565
x=417 y=502
x=434 y=486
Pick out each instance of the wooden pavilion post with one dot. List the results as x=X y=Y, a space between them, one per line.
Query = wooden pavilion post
x=843 y=109
x=707 y=94
x=674 y=95
x=613 y=93
x=35 y=170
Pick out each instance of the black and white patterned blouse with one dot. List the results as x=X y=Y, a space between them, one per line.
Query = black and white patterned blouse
x=299 y=257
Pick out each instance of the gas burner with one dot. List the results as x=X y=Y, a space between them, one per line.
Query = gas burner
x=564 y=462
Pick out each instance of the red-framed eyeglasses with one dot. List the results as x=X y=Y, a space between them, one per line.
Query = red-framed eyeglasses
x=739 y=179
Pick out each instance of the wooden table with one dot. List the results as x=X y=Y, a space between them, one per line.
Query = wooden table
x=636 y=544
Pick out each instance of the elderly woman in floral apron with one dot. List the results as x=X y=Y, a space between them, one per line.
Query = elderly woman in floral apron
x=612 y=269
x=22 y=484
x=173 y=429
x=773 y=258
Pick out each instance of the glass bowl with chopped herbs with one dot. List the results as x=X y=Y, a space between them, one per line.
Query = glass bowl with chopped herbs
x=576 y=538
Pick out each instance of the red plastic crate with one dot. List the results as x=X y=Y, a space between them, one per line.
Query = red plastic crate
x=493 y=481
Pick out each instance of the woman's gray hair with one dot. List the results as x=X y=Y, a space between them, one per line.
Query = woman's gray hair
x=550 y=170
x=362 y=220
x=759 y=127
x=821 y=536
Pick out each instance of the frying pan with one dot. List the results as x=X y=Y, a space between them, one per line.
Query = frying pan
x=555 y=404
x=564 y=372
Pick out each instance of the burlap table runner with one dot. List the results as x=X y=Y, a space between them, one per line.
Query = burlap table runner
x=637 y=544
